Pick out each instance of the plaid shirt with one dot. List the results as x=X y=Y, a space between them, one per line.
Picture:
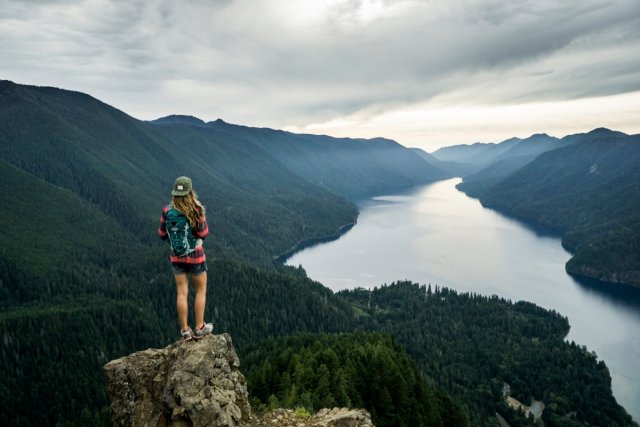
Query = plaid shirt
x=201 y=231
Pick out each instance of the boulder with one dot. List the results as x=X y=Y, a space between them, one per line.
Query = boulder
x=197 y=384
x=193 y=383
x=336 y=417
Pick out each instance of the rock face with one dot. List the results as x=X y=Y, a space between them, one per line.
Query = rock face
x=336 y=417
x=341 y=417
x=195 y=383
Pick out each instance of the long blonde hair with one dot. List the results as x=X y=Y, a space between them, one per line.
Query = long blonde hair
x=190 y=206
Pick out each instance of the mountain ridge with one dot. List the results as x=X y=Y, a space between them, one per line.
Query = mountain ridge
x=584 y=184
x=99 y=285
x=96 y=150
x=346 y=166
x=88 y=183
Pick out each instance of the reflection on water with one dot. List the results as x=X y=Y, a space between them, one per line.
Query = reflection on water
x=611 y=293
x=436 y=234
x=538 y=229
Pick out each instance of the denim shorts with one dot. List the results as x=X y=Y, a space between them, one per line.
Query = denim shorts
x=185 y=268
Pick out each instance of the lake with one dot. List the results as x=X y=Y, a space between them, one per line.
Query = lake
x=436 y=234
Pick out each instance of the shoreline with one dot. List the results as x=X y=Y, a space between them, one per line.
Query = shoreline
x=303 y=244
x=353 y=198
x=583 y=272
x=610 y=293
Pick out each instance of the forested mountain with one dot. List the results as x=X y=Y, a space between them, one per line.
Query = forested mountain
x=449 y=169
x=504 y=159
x=253 y=181
x=584 y=184
x=492 y=161
x=478 y=182
x=532 y=146
x=344 y=166
x=471 y=345
x=54 y=347
x=84 y=185
x=84 y=279
x=363 y=370
x=591 y=189
x=126 y=168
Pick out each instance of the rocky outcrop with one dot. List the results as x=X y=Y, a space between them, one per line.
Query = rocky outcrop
x=195 y=383
x=336 y=417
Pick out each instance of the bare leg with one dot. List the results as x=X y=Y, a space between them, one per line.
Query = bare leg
x=182 y=288
x=200 y=286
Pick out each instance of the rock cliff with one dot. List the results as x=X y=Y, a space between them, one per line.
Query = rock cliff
x=195 y=383
x=336 y=417
x=198 y=383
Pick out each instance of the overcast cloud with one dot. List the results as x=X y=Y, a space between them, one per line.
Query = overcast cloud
x=340 y=66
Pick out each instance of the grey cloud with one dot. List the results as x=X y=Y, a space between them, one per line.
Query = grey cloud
x=252 y=61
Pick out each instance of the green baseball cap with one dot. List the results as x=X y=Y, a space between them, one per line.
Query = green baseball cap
x=182 y=186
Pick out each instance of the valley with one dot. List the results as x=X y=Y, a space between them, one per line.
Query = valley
x=87 y=182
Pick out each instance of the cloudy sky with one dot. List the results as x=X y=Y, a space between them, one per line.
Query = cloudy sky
x=426 y=73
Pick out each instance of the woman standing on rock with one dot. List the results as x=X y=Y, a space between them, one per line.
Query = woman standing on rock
x=183 y=223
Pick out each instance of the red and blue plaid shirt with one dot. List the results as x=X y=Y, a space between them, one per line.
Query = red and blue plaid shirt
x=201 y=231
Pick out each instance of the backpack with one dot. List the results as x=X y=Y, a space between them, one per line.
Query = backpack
x=183 y=242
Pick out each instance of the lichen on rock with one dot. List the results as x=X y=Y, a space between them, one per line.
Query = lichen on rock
x=196 y=383
x=336 y=417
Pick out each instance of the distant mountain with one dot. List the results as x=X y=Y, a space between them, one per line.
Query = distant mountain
x=463 y=153
x=499 y=161
x=480 y=158
x=450 y=169
x=590 y=188
x=476 y=183
x=179 y=119
x=426 y=157
x=345 y=166
x=531 y=146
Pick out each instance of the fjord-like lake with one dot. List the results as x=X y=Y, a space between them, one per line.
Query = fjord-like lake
x=436 y=234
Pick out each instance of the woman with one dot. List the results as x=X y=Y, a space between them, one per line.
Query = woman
x=183 y=223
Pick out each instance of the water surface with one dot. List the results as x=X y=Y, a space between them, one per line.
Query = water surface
x=436 y=234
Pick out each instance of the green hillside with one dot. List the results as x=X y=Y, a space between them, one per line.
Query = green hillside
x=54 y=349
x=472 y=344
x=64 y=226
x=126 y=167
x=476 y=183
x=84 y=185
x=590 y=189
x=357 y=370
x=498 y=161
x=84 y=278
x=345 y=166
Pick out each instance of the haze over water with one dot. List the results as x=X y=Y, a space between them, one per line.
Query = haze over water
x=436 y=234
